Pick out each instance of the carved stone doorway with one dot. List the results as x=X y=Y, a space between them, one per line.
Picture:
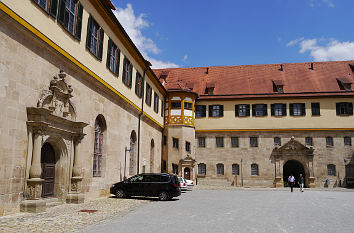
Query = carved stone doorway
x=187 y=173
x=295 y=168
x=48 y=169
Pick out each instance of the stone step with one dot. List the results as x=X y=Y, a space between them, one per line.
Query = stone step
x=50 y=202
x=214 y=182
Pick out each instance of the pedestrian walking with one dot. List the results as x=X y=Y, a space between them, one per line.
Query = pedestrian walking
x=291 y=180
x=301 y=183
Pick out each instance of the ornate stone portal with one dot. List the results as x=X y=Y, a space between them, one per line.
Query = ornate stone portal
x=293 y=150
x=54 y=120
x=187 y=162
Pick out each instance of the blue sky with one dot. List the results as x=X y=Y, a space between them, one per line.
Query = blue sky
x=190 y=33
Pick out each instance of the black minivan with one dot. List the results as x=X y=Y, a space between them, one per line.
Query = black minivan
x=162 y=185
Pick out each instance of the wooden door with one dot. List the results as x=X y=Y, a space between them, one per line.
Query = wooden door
x=48 y=170
x=187 y=173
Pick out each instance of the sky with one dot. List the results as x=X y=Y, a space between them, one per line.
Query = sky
x=195 y=33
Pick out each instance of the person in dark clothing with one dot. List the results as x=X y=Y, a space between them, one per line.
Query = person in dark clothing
x=291 y=180
x=301 y=183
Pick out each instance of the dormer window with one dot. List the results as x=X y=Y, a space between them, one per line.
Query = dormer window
x=190 y=86
x=209 y=90
x=278 y=86
x=344 y=84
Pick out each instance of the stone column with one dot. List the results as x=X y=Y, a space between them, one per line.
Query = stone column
x=278 y=178
x=75 y=196
x=312 y=175
x=34 y=184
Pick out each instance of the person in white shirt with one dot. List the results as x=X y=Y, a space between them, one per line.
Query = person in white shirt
x=291 y=180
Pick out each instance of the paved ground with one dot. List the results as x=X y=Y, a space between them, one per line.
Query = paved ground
x=68 y=218
x=241 y=211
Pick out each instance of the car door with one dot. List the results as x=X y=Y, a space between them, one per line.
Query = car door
x=151 y=185
x=134 y=185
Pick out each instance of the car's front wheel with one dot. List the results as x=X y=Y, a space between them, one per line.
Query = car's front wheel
x=163 y=196
x=120 y=193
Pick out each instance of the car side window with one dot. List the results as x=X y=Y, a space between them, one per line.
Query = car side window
x=164 y=179
x=136 y=179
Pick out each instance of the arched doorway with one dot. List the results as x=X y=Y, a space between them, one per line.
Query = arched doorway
x=295 y=168
x=48 y=169
x=187 y=173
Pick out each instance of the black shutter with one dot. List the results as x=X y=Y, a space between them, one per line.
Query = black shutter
x=236 y=110
x=221 y=111
x=272 y=111
x=125 y=70
x=109 y=54
x=89 y=32
x=61 y=12
x=53 y=8
x=253 y=109
x=291 y=109
x=283 y=109
x=66 y=19
x=303 y=109
x=100 y=49
x=79 y=21
x=118 y=63
x=247 y=109
x=338 y=108
x=204 y=110
x=265 y=110
x=350 y=108
x=130 y=74
x=210 y=110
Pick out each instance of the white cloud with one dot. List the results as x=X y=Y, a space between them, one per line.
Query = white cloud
x=294 y=42
x=318 y=3
x=134 y=25
x=332 y=50
x=185 y=57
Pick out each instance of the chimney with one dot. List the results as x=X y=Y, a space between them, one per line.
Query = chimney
x=281 y=67
x=311 y=66
x=207 y=71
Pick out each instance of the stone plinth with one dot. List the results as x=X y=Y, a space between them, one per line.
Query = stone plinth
x=75 y=197
x=278 y=182
x=33 y=206
x=34 y=188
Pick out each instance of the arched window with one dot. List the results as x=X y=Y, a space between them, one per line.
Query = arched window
x=132 y=152
x=254 y=169
x=201 y=169
x=235 y=169
x=220 y=169
x=331 y=169
x=152 y=148
x=98 y=146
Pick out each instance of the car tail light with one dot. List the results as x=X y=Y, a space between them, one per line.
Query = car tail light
x=184 y=184
x=192 y=182
x=175 y=185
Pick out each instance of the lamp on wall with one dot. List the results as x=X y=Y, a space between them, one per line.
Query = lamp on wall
x=125 y=161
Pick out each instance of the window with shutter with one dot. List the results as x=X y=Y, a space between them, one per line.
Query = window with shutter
x=148 y=94
x=139 y=85
x=113 y=57
x=259 y=110
x=200 y=111
x=44 y=4
x=127 y=72
x=242 y=110
x=70 y=16
x=344 y=108
x=94 y=40
x=315 y=109
x=297 y=109
x=216 y=110
x=156 y=102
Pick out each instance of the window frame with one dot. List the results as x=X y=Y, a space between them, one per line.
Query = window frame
x=235 y=169
x=259 y=110
x=220 y=169
x=235 y=142
x=201 y=142
x=139 y=85
x=308 y=141
x=254 y=139
x=148 y=94
x=329 y=141
x=316 y=109
x=347 y=141
x=202 y=169
x=242 y=110
x=254 y=169
x=200 y=111
x=188 y=146
x=219 y=142
x=98 y=148
x=175 y=143
x=96 y=49
x=278 y=110
x=331 y=170
x=127 y=75
x=297 y=109
x=344 y=109
x=156 y=102
x=113 y=53
x=216 y=110
x=277 y=141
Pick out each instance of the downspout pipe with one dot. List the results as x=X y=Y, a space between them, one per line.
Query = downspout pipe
x=139 y=120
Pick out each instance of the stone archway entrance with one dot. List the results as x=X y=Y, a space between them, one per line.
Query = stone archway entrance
x=48 y=170
x=295 y=168
x=187 y=173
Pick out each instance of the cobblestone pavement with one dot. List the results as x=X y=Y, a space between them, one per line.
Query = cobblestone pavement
x=252 y=210
x=67 y=218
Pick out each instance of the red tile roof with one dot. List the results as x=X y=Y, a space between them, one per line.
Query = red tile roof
x=249 y=81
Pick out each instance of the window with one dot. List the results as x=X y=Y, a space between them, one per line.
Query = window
x=156 y=102
x=331 y=168
x=234 y=142
x=148 y=94
x=349 y=170
x=297 y=109
x=344 y=108
x=308 y=141
x=254 y=141
x=127 y=72
x=188 y=146
x=216 y=110
x=70 y=17
x=242 y=110
x=175 y=143
x=277 y=141
x=329 y=141
x=254 y=169
x=209 y=90
x=315 y=108
x=188 y=105
x=174 y=168
x=259 y=110
x=201 y=169
x=94 y=40
x=176 y=105
x=50 y=6
x=219 y=141
x=113 y=57
x=201 y=141
x=200 y=111
x=220 y=169
x=139 y=85
x=235 y=169
x=278 y=109
x=347 y=141
x=162 y=108
x=98 y=147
